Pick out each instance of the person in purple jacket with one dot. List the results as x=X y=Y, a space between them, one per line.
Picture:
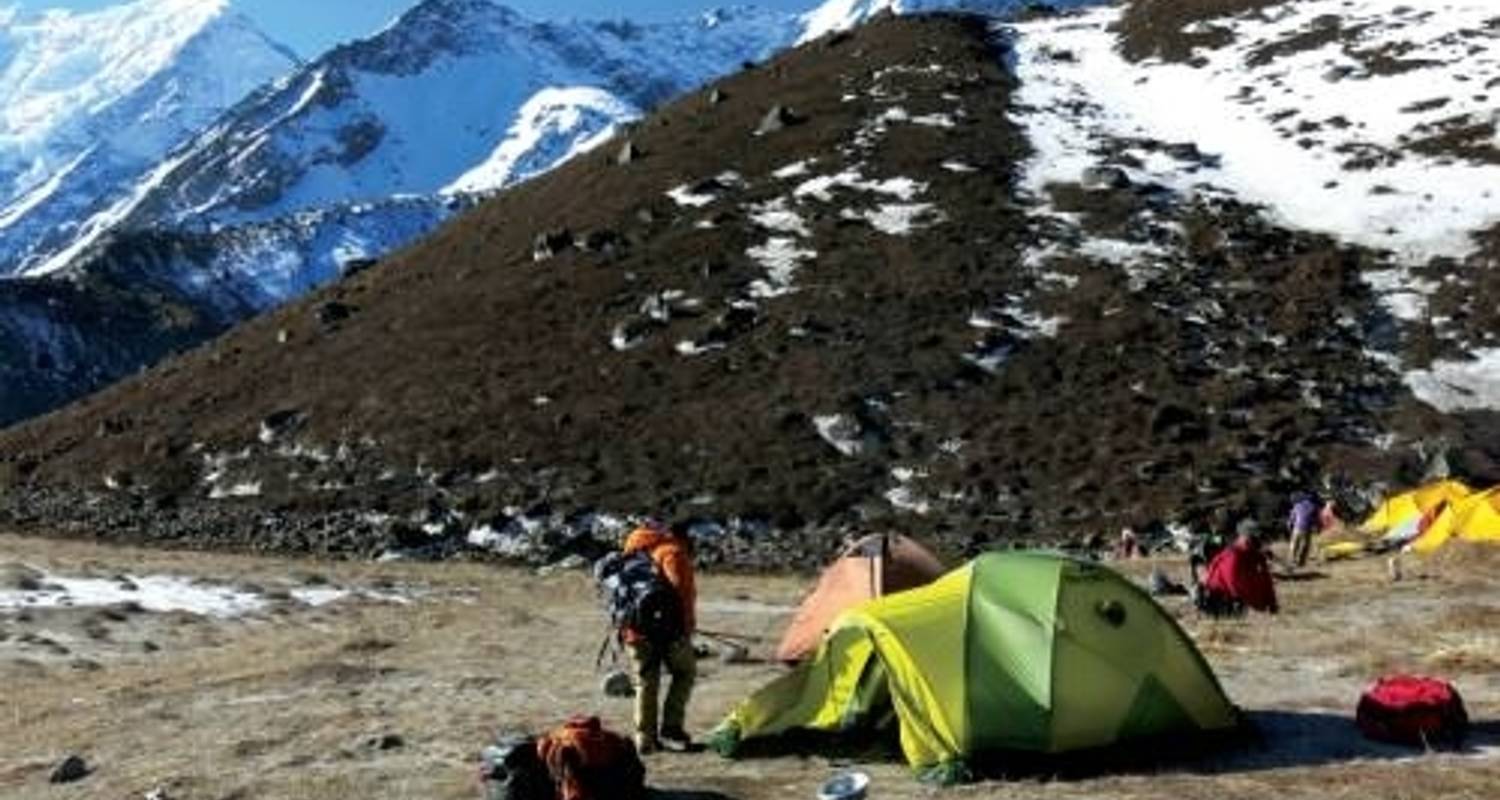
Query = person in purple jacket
x=1301 y=523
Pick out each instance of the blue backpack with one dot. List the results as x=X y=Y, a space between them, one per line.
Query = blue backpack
x=637 y=596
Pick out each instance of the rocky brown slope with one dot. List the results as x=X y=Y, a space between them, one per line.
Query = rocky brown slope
x=793 y=304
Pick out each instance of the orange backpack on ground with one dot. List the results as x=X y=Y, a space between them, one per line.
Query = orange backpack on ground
x=588 y=762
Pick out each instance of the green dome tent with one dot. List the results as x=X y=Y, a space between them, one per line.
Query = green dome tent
x=1030 y=652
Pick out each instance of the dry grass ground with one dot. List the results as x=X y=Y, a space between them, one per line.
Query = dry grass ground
x=294 y=704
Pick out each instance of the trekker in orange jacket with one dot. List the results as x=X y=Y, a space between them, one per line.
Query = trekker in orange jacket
x=672 y=551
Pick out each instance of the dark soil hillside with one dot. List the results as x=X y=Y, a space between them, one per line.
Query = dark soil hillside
x=588 y=343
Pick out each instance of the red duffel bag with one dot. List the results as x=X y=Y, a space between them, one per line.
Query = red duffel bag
x=1413 y=710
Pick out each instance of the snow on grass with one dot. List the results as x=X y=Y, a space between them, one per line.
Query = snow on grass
x=1403 y=295
x=780 y=256
x=899 y=114
x=823 y=186
x=163 y=593
x=1253 y=118
x=907 y=474
x=1117 y=251
x=691 y=348
x=684 y=196
x=958 y=167
x=241 y=489
x=1451 y=386
x=1015 y=319
x=905 y=499
x=778 y=216
x=795 y=169
x=935 y=120
x=898 y=219
x=990 y=356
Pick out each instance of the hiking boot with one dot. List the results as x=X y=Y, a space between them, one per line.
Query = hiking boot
x=676 y=739
x=646 y=745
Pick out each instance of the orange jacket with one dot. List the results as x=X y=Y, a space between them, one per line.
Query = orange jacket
x=676 y=564
x=587 y=760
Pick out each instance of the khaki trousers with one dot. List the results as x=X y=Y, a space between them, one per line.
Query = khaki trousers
x=1300 y=544
x=646 y=661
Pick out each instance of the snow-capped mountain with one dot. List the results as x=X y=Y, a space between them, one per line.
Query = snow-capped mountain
x=450 y=87
x=88 y=102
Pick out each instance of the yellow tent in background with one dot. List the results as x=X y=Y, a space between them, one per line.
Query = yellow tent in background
x=1475 y=518
x=1415 y=503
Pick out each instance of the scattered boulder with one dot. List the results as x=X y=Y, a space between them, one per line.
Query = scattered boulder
x=778 y=118
x=333 y=312
x=841 y=431
x=551 y=243
x=716 y=96
x=279 y=423
x=70 y=770
x=632 y=333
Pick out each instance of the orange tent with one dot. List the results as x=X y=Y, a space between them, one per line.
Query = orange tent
x=876 y=565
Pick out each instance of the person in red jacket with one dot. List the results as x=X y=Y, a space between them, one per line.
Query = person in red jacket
x=1239 y=577
x=672 y=550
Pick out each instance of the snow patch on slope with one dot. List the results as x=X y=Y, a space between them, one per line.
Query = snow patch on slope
x=1451 y=386
x=1247 y=115
x=1369 y=120
x=841 y=15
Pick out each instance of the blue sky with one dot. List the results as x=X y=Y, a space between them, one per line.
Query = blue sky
x=311 y=26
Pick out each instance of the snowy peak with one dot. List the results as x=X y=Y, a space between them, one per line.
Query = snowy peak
x=426 y=31
x=555 y=125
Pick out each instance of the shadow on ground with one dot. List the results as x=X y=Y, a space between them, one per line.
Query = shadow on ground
x=1316 y=738
x=1271 y=739
x=686 y=794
